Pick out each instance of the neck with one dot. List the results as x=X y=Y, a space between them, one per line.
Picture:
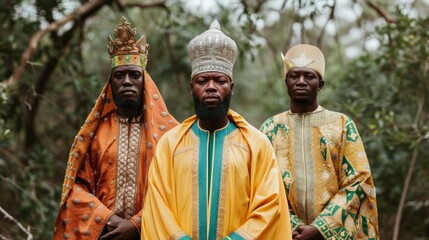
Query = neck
x=303 y=107
x=212 y=125
x=130 y=112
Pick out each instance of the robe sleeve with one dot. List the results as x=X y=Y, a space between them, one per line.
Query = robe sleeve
x=271 y=130
x=294 y=220
x=82 y=215
x=137 y=220
x=158 y=220
x=268 y=216
x=352 y=211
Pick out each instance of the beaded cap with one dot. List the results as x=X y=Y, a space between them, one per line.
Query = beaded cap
x=124 y=49
x=304 y=56
x=212 y=51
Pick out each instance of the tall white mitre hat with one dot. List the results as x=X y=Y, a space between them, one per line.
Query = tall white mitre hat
x=212 y=51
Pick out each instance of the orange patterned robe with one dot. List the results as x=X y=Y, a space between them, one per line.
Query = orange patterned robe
x=108 y=163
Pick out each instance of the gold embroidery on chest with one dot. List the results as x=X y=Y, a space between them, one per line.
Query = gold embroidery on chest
x=127 y=168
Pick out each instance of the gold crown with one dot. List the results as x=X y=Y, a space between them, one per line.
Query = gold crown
x=124 y=49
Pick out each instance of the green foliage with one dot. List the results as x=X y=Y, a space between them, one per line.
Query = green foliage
x=386 y=91
x=5 y=131
x=32 y=197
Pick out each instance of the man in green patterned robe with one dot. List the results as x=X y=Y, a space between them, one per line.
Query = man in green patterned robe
x=322 y=158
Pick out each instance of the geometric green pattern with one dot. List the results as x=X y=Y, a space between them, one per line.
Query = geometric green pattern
x=352 y=134
x=337 y=142
x=329 y=232
x=359 y=193
x=323 y=147
x=365 y=225
x=274 y=131
x=287 y=174
x=347 y=167
x=294 y=220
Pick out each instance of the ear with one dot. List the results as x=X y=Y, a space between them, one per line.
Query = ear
x=190 y=87
x=321 y=84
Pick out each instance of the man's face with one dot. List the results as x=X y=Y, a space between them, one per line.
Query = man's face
x=127 y=85
x=212 y=94
x=303 y=84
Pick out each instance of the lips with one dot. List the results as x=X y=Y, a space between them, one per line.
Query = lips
x=211 y=96
x=127 y=93
x=301 y=90
x=211 y=99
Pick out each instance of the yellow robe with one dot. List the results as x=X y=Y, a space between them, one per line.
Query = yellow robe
x=244 y=196
x=326 y=173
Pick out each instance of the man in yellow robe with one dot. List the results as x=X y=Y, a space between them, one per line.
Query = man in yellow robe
x=106 y=175
x=214 y=176
x=322 y=158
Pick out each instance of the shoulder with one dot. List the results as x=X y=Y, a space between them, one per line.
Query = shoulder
x=254 y=136
x=336 y=116
x=172 y=136
x=341 y=119
x=276 y=119
x=170 y=132
x=275 y=123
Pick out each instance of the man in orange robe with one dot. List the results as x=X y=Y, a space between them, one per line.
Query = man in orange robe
x=105 y=181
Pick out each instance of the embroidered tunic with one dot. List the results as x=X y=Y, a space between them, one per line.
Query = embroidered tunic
x=326 y=173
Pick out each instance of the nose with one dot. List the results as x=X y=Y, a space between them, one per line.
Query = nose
x=211 y=86
x=301 y=80
x=127 y=80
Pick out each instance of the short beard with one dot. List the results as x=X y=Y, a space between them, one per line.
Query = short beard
x=215 y=113
x=127 y=103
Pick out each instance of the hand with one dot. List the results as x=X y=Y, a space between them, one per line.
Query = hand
x=120 y=228
x=306 y=232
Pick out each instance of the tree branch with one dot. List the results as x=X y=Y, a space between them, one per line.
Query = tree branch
x=83 y=11
x=42 y=81
x=404 y=193
x=122 y=5
x=331 y=17
x=380 y=12
x=274 y=51
x=26 y=231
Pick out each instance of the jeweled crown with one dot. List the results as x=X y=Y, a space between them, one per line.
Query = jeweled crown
x=212 y=51
x=124 y=49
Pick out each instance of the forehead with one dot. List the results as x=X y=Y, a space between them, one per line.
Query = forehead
x=210 y=75
x=126 y=68
x=302 y=71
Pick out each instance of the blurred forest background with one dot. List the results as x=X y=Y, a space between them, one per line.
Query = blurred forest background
x=54 y=61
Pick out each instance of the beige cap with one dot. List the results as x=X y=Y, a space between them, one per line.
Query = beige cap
x=304 y=56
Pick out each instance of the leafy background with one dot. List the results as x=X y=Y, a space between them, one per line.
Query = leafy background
x=54 y=61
